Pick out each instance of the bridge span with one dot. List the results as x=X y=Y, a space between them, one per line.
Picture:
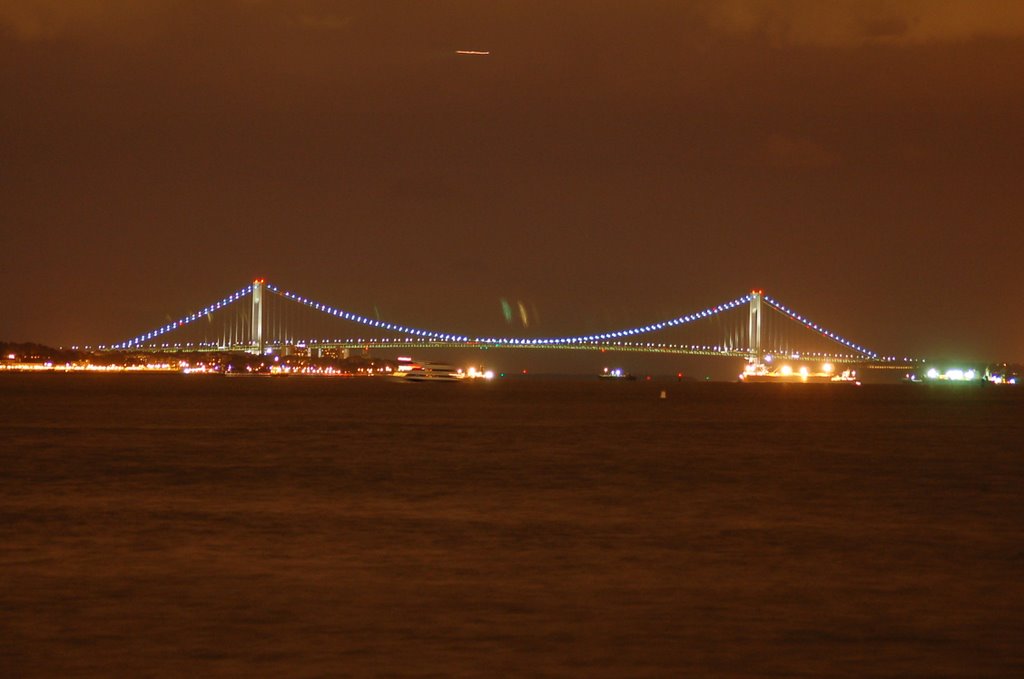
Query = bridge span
x=264 y=318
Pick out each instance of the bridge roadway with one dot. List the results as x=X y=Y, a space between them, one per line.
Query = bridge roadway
x=361 y=344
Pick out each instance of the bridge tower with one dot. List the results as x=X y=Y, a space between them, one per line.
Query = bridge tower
x=754 y=328
x=257 y=316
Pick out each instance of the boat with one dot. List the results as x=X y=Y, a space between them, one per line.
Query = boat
x=615 y=374
x=427 y=371
x=755 y=374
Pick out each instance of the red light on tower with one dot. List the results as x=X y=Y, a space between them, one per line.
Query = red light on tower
x=758 y=291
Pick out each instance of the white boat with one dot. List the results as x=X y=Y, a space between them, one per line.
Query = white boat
x=427 y=371
x=754 y=373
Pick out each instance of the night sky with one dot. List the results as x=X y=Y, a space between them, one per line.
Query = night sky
x=606 y=164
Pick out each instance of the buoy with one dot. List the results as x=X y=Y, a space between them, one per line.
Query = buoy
x=663 y=394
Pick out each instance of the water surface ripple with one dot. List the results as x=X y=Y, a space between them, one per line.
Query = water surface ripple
x=165 y=525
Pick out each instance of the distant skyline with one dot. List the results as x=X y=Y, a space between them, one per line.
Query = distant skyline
x=595 y=164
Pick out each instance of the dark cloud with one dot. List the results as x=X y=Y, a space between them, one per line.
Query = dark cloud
x=54 y=19
x=856 y=22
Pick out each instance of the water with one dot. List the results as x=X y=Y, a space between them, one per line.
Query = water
x=170 y=525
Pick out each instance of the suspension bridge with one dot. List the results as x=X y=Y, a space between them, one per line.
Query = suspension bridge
x=263 y=318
